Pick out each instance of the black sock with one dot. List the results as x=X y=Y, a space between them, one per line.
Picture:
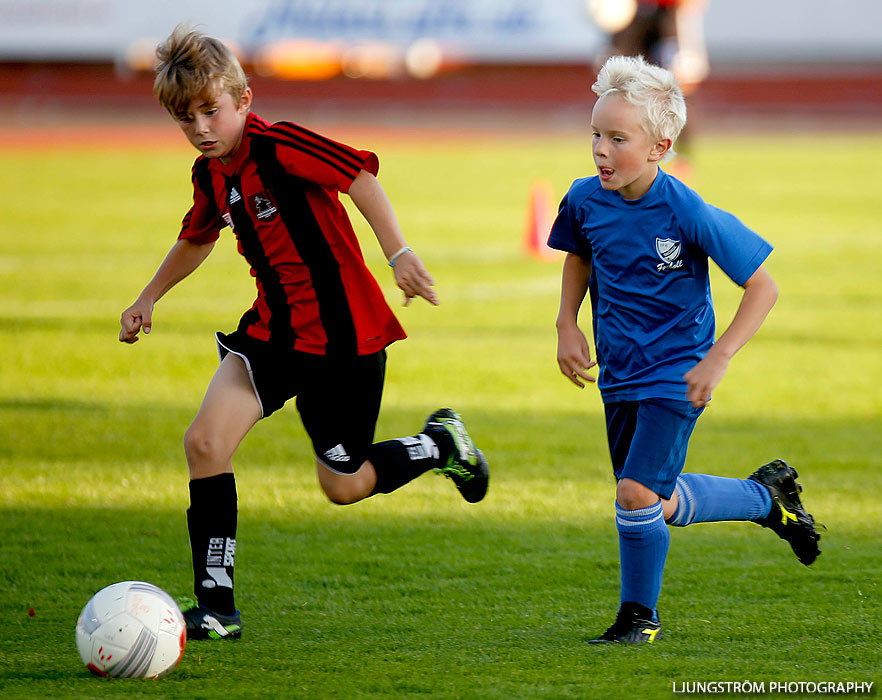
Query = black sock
x=211 y=520
x=397 y=462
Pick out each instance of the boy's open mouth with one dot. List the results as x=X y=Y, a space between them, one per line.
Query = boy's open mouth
x=605 y=173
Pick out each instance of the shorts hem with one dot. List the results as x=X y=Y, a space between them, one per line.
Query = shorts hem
x=331 y=469
x=659 y=488
x=223 y=351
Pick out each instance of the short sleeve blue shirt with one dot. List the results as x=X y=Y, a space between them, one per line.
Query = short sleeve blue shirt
x=651 y=303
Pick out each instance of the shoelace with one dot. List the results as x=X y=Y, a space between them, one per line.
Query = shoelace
x=452 y=470
x=185 y=603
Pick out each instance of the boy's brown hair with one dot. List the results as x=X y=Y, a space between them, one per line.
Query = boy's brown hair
x=192 y=65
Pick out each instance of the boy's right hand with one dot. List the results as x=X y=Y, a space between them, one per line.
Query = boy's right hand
x=413 y=279
x=574 y=355
x=139 y=315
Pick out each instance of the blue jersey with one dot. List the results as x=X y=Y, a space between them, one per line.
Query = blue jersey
x=651 y=303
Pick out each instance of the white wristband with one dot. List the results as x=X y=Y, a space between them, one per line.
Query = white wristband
x=398 y=254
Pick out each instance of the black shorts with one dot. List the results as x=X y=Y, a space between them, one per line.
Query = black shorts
x=338 y=400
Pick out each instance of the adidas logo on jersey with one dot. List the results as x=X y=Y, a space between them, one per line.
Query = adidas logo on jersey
x=234 y=196
x=337 y=454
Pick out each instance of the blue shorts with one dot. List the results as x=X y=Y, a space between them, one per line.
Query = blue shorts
x=648 y=440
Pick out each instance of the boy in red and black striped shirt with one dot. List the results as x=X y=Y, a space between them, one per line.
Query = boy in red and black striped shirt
x=318 y=328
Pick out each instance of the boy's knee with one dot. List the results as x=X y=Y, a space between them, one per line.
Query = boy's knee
x=341 y=497
x=342 y=493
x=343 y=489
x=199 y=446
x=632 y=495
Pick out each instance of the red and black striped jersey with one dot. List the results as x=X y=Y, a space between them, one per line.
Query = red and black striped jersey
x=279 y=194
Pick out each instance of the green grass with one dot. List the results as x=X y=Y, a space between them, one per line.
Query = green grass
x=416 y=594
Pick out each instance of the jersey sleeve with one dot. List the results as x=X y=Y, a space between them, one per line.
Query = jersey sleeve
x=315 y=158
x=566 y=231
x=738 y=250
x=204 y=221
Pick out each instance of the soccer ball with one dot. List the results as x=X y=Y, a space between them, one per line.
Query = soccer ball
x=131 y=629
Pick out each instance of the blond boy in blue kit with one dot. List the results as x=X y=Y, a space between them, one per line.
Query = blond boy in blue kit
x=638 y=240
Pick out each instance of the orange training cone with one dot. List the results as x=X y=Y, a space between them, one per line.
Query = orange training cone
x=540 y=216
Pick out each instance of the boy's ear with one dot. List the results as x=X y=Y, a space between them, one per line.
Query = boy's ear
x=658 y=151
x=245 y=100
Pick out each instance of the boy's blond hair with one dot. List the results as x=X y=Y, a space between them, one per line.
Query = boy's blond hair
x=651 y=88
x=192 y=65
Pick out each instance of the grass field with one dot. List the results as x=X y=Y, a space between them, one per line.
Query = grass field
x=417 y=594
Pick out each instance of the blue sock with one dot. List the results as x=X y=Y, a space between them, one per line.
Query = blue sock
x=706 y=499
x=643 y=549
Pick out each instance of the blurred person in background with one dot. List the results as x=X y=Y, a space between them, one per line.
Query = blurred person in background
x=668 y=33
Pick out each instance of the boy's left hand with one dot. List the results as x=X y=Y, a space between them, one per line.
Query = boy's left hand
x=413 y=279
x=702 y=379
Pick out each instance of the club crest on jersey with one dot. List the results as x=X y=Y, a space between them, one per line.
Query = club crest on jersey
x=669 y=251
x=264 y=207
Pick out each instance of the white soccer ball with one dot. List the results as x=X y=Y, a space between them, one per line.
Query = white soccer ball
x=131 y=629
